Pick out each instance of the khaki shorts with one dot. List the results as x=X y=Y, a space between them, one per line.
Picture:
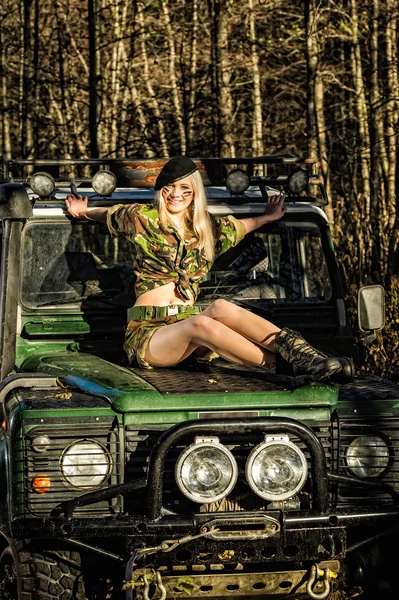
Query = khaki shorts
x=139 y=333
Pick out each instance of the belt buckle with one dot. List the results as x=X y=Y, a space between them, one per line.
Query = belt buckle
x=173 y=310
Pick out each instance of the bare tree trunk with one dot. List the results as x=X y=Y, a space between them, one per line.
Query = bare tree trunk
x=67 y=142
x=392 y=121
x=316 y=126
x=5 y=115
x=215 y=120
x=93 y=74
x=117 y=121
x=257 y=129
x=153 y=101
x=322 y=142
x=132 y=90
x=35 y=92
x=25 y=123
x=311 y=63
x=193 y=74
x=364 y=136
x=378 y=158
x=225 y=100
x=103 y=27
x=173 y=79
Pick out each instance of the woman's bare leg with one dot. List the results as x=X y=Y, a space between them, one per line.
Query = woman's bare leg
x=172 y=344
x=253 y=327
x=305 y=358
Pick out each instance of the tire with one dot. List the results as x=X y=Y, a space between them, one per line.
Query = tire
x=52 y=575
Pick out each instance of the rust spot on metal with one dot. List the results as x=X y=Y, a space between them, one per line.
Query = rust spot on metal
x=155 y=165
x=150 y=179
x=200 y=165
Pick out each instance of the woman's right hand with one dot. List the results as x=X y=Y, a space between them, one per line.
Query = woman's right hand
x=77 y=205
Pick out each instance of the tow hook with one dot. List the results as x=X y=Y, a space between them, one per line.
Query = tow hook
x=317 y=578
x=160 y=586
x=143 y=581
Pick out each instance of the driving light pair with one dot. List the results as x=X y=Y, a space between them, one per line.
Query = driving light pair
x=207 y=471
x=103 y=183
x=238 y=181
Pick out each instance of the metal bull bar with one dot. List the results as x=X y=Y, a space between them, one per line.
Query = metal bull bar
x=174 y=435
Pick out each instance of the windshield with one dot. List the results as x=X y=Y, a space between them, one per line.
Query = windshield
x=283 y=262
x=66 y=262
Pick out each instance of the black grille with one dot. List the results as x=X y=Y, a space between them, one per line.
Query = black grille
x=46 y=464
x=383 y=428
x=139 y=443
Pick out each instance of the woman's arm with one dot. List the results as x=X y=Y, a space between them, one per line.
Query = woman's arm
x=273 y=212
x=78 y=207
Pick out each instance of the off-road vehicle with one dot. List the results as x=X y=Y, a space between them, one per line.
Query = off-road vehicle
x=204 y=480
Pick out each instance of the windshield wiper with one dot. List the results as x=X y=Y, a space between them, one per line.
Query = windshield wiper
x=92 y=299
x=62 y=301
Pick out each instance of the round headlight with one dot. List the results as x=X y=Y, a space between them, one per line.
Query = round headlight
x=42 y=184
x=298 y=181
x=276 y=469
x=104 y=183
x=85 y=464
x=237 y=181
x=367 y=456
x=206 y=471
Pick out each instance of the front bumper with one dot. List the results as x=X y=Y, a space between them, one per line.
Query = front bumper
x=299 y=537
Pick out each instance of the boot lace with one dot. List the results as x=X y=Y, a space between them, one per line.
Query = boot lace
x=293 y=348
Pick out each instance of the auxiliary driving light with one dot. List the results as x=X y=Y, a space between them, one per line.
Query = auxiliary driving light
x=85 y=464
x=298 y=181
x=367 y=456
x=276 y=469
x=40 y=443
x=206 y=471
x=237 y=181
x=42 y=184
x=104 y=183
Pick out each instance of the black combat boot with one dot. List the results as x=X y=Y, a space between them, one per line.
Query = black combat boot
x=304 y=359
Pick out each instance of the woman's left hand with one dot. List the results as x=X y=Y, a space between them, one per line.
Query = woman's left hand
x=274 y=209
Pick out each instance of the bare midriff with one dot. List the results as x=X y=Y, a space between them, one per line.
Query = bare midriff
x=165 y=295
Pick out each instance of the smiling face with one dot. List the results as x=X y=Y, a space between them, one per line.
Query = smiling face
x=178 y=196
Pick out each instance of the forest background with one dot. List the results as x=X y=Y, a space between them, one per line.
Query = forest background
x=223 y=78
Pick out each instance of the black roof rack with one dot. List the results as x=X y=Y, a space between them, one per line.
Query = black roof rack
x=143 y=171
x=269 y=170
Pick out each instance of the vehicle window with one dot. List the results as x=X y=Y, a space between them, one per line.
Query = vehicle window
x=282 y=263
x=68 y=262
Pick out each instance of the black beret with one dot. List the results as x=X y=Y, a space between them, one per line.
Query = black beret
x=176 y=168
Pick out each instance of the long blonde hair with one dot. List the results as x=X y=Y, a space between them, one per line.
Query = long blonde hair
x=198 y=221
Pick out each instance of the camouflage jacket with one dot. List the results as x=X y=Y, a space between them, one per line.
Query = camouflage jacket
x=161 y=255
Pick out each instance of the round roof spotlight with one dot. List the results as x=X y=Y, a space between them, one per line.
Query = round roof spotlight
x=276 y=469
x=237 y=181
x=104 y=183
x=298 y=181
x=206 y=471
x=42 y=184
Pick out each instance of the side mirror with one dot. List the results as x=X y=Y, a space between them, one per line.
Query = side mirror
x=371 y=308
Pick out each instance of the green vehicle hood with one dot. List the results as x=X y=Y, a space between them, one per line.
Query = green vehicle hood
x=128 y=392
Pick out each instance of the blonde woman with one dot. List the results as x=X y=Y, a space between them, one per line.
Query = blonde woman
x=176 y=242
